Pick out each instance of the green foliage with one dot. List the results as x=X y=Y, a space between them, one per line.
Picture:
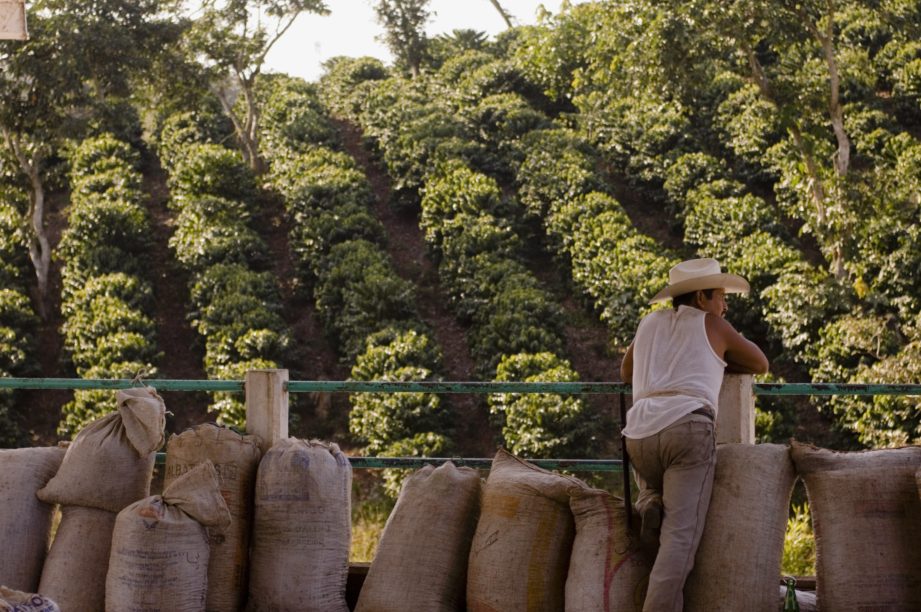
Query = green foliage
x=799 y=544
x=877 y=353
x=540 y=425
x=181 y=130
x=498 y=122
x=461 y=205
x=558 y=167
x=618 y=268
x=102 y=154
x=345 y=82
x=235 y=307
x=13 y=241
x=404 y=31
x=206 y=169
x=98 y=324
x=358 y=293
x=798 y=304
x=327 y=200
x=516 y=320
x=107 y=302
x=212 y=230
x=690 y=171
x=292 y=117
x=18 y=324
x=380 y=420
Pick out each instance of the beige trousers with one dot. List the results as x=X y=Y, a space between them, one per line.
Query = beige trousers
x=675 y=468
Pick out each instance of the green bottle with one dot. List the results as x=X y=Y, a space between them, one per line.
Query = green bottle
x=789 y=600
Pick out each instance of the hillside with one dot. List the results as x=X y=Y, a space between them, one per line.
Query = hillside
x=490 y=210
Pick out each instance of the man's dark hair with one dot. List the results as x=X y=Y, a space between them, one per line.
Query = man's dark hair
x=686 y=299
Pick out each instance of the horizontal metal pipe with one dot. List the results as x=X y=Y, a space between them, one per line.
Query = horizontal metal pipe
x=574 y=388
x=574 y=465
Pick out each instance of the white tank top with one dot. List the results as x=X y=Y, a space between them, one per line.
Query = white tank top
x=675 y=370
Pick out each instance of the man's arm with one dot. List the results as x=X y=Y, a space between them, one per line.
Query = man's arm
x=741 y=355
x=626 y=366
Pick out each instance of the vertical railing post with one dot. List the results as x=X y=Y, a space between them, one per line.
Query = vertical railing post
x=267 y=405
x=736 y=419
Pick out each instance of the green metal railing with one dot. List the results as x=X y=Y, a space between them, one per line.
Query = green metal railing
x=571 y=388
x=565 y=388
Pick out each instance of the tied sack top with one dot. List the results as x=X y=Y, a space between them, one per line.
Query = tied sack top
x=675 y=370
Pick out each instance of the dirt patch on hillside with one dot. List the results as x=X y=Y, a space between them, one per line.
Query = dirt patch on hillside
x=407 y=249
x=181 y=346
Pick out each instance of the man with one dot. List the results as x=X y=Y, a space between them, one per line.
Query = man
x=676 y=363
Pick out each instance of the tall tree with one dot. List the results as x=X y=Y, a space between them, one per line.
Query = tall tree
x=506 y=16
x=789 y=50
x=232 y=38
x=80 y=55
x=404 y=31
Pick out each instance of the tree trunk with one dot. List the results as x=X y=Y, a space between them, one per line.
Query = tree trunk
x=251 y=125
x=506 y=17
x=39 y=246
x=245 y=133
x=817 y=187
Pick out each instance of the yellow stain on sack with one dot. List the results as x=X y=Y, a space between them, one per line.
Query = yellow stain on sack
x=505 y=506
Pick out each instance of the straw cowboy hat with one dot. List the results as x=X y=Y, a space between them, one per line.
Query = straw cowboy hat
x=695 y=274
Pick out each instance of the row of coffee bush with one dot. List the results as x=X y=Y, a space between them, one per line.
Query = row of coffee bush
x=339 y=248
x=235 y=300
x=515 y=326
x=815 y=321
x=722 y=149
x=444 y=146
x=18 y=320
x=616 y=266
x=235 y=528
x=107 y=297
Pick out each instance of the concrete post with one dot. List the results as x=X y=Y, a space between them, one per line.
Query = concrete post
x=267 y=406
x=735 y=421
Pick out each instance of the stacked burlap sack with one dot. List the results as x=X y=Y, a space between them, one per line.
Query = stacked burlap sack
x=25 y=521
x=543 y=541
x=235 y=458
x=301 y=529
x=108 y=466
x=276 y=534
x=527 y=539
x=866 y=513
x=160 y=550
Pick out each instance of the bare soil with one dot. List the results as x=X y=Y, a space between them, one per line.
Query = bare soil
x=407 y=250
x=183 y=351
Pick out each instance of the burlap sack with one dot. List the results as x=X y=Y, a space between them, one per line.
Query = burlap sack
x=607 y=569
x=867 y=520
x=17 y=601
x=520 y=552
x=159 y=560
x=738 y=562
x=235 y=458
x=421 y=561
x=25 y=522
x=74 y=575
x=301 y=529
x=110 y=463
